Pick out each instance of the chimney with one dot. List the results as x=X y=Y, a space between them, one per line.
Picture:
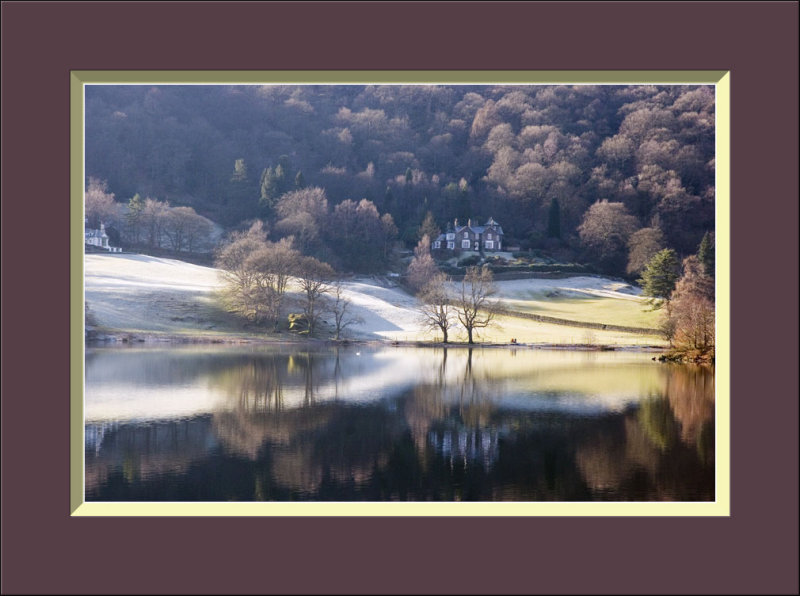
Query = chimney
x=455 y=222
x=469 y=222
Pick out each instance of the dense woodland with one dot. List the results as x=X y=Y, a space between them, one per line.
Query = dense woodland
x=603 y=175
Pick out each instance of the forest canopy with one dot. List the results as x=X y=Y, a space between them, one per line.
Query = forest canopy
x=606 y=174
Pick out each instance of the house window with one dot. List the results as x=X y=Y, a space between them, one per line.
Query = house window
x=466 y=234
x=437 y=244
x=490 y=244
x=451 y=236
x=489 y=235
x=451 y=245
x=465 y=243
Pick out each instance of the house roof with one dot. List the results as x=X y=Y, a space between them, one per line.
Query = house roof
x=476 y=229
x=482 y=229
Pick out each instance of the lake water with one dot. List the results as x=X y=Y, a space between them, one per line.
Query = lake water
x=390 y=423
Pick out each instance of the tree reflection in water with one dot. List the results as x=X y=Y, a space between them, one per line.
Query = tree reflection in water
x=462 y=425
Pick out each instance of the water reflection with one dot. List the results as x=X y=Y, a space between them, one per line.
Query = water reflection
x=395 y=424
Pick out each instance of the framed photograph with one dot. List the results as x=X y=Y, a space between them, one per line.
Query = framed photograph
x=540 y=248
x=234 y=484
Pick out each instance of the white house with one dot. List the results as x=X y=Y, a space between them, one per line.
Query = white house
x=98 y=238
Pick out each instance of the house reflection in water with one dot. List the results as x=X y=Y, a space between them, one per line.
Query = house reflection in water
x=467 y=446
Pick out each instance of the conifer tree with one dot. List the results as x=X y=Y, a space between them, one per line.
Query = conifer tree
x=706 y=253
x=554 y=220
x=660 y=275
x=133 y=218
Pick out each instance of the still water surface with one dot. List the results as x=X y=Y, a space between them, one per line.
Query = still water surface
x=378 y=424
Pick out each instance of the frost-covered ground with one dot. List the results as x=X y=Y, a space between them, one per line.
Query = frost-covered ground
x=581 y=286
x=130 y=292
x=138 y=293
x=386 y=312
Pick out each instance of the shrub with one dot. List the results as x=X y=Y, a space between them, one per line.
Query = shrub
x=298 y=323
x=469 y=261
x=540 y=268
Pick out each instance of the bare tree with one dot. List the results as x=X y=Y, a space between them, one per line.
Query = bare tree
x=436 y=305
x=302 y=213
x=315 y=280
x=153 y=215
x=422 y=267
x=271 y=265
x=199 y=234
x=283 y=262
x=256 y=273
x=241 y=279
x=474 y=306
x=642 y=246
x=185 y=229
x=100 y=205
x=605 y=232
x=691 y=314
x=340 y=307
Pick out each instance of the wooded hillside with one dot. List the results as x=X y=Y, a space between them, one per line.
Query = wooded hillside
x=607 y=175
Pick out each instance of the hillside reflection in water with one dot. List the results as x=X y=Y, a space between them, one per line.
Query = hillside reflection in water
x=354 y=423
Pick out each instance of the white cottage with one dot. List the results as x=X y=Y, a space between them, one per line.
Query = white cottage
x=98 y=238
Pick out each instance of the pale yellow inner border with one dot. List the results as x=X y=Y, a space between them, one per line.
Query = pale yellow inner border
x=720 y=507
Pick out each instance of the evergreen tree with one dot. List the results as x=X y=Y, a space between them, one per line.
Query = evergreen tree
x=464 y=207
x=241 y=202
x=388 y=200
x=554 y=220
x=706 y=253
x=133 y=218
x=239 y=171
x=659 y=277
x=280 y=179
x=269 y=190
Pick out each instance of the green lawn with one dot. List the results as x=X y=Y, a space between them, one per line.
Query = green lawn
x=592 y=309
x=527 y=331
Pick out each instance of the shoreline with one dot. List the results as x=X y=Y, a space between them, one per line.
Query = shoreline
x=113 y=338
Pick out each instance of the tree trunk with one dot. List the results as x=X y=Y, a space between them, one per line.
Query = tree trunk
x=469 y=332
x=444 y=334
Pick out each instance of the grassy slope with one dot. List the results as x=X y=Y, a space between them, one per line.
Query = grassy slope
x=527 y=331
x=146 y=295
x=589 y=309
